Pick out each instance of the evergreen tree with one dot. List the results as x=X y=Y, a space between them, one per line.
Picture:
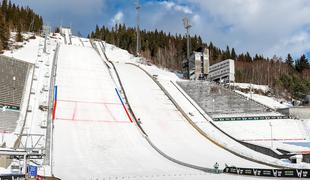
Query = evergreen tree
x=15 y=18
x=1 y=47
x=248 y=57
x=57 y=30
x=227 y=54
x=19 y=37
x=233 y=54
x=302 y=63
x=167 y=50
x=4 y=32
x=4 y=7
x=289 y=60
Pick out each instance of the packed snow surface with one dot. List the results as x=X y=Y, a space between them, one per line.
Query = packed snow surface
x=166 y=126
x=93 y=136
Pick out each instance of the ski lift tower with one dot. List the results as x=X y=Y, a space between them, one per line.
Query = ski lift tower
x=187 y=26
x=138 y=7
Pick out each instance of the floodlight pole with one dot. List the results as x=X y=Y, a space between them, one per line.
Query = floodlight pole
x=138 y=7
x=271 y=135
x=187 y=26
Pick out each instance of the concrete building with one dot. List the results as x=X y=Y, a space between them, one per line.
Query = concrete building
x=198 y=65
x=64 y=30
x=223 y=71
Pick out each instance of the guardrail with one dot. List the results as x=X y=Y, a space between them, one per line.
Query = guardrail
x=49 y=122
x=94 y=45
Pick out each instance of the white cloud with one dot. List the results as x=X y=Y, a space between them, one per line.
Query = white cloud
x=260 y=26
x=169 y=5
x=74 y=7
x=118 y=18
x=196 y=19
x=298 y=43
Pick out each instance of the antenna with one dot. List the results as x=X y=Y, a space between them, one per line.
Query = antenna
x=138 y=7
x=187 y=26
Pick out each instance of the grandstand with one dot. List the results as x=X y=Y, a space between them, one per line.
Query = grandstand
x=223 y=104
x=8 y=120
x=245 y=119
x=13 y=74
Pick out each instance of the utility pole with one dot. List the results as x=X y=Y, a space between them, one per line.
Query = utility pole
x=138 y=7
x=187 y=26
x=271 y=139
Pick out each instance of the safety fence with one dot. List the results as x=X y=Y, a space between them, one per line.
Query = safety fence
x=280 y=173
x=253 y=118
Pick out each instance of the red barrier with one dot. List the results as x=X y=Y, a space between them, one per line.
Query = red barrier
x=54 y=110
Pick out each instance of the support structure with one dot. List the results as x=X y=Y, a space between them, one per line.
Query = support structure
x=21 y=155
x=138 y=7
x=187 y=26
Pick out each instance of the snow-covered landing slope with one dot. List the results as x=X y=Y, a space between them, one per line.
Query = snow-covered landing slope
x=167 y=128
x=164 y=76
x=93 y=136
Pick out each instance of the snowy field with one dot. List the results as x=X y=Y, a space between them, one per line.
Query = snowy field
x=29 y=52
x=268 y=133
x=166 y=126
x=296 y=134
x=270 y=102
x=94 y=138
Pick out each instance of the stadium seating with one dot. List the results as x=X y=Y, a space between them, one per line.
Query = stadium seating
x=8 y=120
x=218 y=101
x=13 y=74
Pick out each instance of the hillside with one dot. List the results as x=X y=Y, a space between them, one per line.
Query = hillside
x=14 y=18
x=288 y=78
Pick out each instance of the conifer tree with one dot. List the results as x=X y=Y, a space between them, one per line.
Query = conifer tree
x=4 y=31
x=233 y=54
x=15 y=18
x=302 y=63
x=289 y=60
x=19 y=37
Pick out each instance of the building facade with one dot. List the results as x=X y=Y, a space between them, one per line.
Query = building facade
x=223 y=71
x=198 y=65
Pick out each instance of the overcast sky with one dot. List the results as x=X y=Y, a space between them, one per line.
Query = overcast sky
x=265 y=27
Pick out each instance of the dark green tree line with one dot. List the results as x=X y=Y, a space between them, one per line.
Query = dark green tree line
x=161 y=48
x=18 y=19
x=284 y=76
